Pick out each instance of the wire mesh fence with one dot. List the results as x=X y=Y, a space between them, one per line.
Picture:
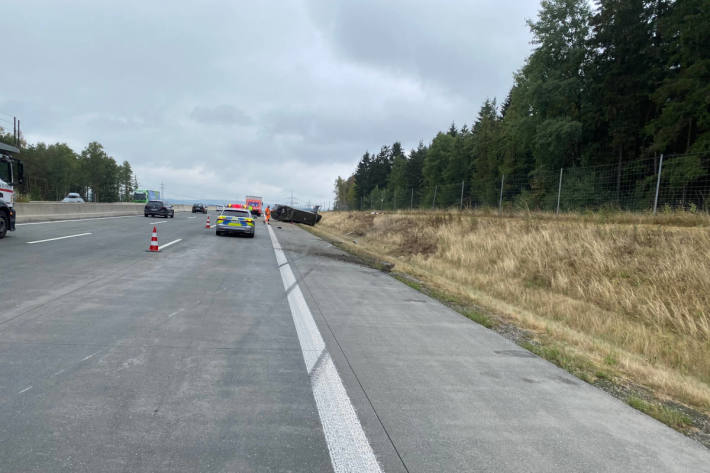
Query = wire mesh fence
x=675 y=182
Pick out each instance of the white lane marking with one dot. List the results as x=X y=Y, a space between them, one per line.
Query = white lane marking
x=170 y=316
x=213 y=225
x=74 y=220
x=347 y=443
x=25 y=390
x=157 y=223
x=89 y=356
x=168 y=244
x=58 y=372
x=58 y=238
x=191 y=217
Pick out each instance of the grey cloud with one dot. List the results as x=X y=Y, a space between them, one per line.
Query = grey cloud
x=220 y=115
x=468 y=48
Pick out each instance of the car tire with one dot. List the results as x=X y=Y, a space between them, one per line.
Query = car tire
x=251 y=235
x=172 y=215
x=145 y=215
x=4 y=225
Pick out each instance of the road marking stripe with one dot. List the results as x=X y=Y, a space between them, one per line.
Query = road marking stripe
x=58 y=238
x=347 y=443
x=191 y=217
x=74 y=220
x=157 y=223
x=170 y=316
x=89 y=356
x=58 y=372
x=168 y=244
x=25 y=390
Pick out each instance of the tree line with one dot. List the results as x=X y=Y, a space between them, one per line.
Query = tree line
x=52 y=171
x=606 y=85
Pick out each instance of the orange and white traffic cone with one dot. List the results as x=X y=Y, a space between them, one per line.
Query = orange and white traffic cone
x=154 y=241
x=207 y=225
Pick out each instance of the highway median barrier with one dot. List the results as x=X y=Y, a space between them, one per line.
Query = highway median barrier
x=47 y=211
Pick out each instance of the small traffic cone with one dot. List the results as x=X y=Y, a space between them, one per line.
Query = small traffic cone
x=207 y=225
x=154 y=241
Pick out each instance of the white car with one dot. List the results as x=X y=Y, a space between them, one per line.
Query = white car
x=73 y=197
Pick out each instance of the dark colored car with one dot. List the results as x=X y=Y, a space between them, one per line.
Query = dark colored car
x=199 y=207
x=156 y=208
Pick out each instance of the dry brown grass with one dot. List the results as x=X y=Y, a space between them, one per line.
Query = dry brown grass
x=628 y=292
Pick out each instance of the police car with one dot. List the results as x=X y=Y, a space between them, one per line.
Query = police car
x=235 y=220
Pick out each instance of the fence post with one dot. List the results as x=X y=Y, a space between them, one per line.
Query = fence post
x=461 y=200
x=500 y=200
x=433 y=202
x=658 y=185
x=559 y=191
x=411 y=200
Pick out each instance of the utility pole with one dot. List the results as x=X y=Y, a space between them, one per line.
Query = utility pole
x=14 y=129
x=162 y=190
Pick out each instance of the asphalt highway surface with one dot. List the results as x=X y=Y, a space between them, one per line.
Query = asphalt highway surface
x=277 y=353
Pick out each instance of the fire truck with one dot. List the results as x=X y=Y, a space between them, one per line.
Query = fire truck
x=256 y=203
x=11 y=174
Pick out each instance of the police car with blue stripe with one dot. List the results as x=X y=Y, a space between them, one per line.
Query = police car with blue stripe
x=235 y=221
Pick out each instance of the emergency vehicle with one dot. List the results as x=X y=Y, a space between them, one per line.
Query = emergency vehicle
x=256 y=203
x=11 y=174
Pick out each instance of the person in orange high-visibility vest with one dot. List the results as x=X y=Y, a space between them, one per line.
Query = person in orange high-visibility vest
x=267 y=215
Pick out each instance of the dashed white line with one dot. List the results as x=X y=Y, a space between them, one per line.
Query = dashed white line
x=157 y=223
x=191 y=217
x=74 y=220
x=25 y=390
x=347 y=443
x=170 y=316
x=58 y=372
x=168 y=244
x=89 y=356
x=58 y=238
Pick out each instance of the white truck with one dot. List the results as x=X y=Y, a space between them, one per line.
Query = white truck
x=11 y=174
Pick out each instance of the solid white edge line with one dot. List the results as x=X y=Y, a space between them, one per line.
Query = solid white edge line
x=73 y=220
x=168 y=244
x=58 y=238
x=349 y=449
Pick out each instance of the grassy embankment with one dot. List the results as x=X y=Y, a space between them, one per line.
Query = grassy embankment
x=621 y=297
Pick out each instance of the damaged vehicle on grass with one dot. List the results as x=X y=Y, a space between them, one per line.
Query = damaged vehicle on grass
x=285 y=213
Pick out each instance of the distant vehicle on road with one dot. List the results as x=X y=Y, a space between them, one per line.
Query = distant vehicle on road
x=199 y=207
x=238 y=221
x=160 y=208
x=143 y=196
x=73 y=197
x=256 y=203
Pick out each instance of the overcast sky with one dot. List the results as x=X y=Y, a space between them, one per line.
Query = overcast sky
x=218 y=99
